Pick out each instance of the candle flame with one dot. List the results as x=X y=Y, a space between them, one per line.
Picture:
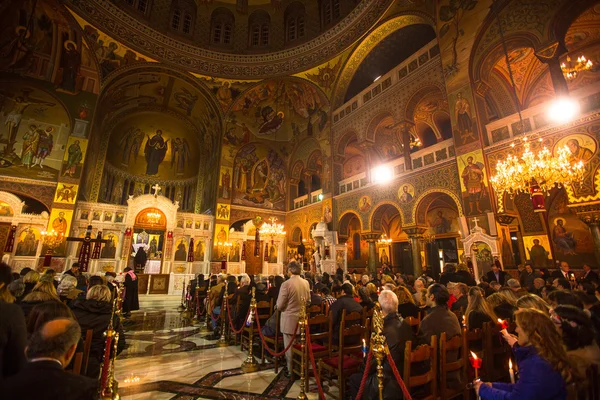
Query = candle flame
x=474 y=355
x=509 y=363
x=364 y=343
x=500 y=321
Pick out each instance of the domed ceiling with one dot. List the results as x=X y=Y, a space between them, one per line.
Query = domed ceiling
x=195 y=53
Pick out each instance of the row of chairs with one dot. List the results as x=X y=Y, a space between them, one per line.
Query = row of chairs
x=81 y=358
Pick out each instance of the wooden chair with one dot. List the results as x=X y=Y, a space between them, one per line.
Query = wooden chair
x=495 y=353
x=414 y=323
x=274 y=341
x=77 y=362
x=319 y=336
x=421 y=354
x=87 y=346
x=367 y=314
x=347 y=359
x=457 y=344
x=263 y=308
x=314 y=310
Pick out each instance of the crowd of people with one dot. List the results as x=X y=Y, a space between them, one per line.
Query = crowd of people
x=44 y=318
x=556 y=315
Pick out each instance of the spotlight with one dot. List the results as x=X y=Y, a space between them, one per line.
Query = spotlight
x=563 y=110
x=382 y=174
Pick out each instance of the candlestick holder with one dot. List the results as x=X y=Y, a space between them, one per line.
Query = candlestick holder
x=249 y=364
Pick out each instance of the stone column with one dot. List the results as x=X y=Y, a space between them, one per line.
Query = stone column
x=415 y=235
x=405 y=131
x=592 y=220
x=371 y=238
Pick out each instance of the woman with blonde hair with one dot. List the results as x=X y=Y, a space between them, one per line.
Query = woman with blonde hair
x=502 y=306
x=478 y=310
x=544 y=369
x=94 y=313
x=510 y=296
x=372 y=291
x=532 y=301
x=406 y=303
x=42 y=292
x=30 y=280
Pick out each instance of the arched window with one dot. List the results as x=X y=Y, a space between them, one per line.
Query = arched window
x=330 y=11
x=142 y=6
x=182 y=16
x=294 y=16
x=222 y=22
x=259 y=22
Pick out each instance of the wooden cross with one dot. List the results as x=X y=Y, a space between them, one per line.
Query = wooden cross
x=156 y=189
x=87 y=241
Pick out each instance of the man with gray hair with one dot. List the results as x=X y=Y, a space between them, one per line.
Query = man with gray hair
x=419 y=284
x=292 y=294
x=515 y=286
x=397 y=332
x=49 y=351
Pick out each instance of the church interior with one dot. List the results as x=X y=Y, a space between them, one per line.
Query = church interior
x=222 y=136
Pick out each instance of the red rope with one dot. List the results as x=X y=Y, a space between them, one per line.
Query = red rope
x=397 y=374
x=262 y=338
x=312 y=361
x=365 y=375
x=231 y=320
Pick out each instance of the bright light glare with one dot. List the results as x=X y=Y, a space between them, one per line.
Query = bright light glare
x=320 y=196
x=563 y=110
x=376 y=79
x=382 y=174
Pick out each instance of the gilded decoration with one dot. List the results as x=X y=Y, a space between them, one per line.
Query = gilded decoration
x=139 y=37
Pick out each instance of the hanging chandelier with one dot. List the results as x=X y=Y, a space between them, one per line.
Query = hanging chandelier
x=384 y=240
x=533 y=172
x=153 y=216
x=272 y=229
x=571 y=69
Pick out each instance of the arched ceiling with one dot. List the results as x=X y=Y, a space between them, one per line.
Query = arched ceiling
x=140 y=37
x=388 y=54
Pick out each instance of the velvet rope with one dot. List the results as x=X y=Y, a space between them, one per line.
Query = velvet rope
x=236 y=332
x=397 y=374
x=211 y=313
x=262 y=338
x=365 y=375
x=312 y=361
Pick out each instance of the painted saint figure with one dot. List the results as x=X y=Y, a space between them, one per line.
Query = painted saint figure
x=538 y=255
x=578 y=153
x=462 y=111
x=45 y=146
x=441 y=224
x=70 y=63
x=31 y=140
x=472 y=177
x=405 y=197
x=60 y=224
x=564 y=241
x=155 y=151
x=180 y=254
x=75 y=155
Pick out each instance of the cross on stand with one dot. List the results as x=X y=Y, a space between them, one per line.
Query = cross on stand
x=156 y=189
x=86 y=244
x=475 y=220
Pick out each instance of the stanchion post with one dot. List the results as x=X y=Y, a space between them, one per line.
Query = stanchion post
x=207 y=313
x=223 y=342
x=249 y=364
x=302 y=326
x=196 y=318
x=181 y=307
x=378 y=347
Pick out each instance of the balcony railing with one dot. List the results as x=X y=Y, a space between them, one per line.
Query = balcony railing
x=305 y=200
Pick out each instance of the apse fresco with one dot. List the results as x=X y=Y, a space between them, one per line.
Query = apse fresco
x=473 y=182
x=27 y=241
x=73 y=158
x=153 y=144
x=442 y=221
x=35 y=130
x=571 y=238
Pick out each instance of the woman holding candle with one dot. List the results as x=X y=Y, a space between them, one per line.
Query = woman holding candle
x=542 y=361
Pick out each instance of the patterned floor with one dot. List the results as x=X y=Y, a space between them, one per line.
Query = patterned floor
x=166 y=358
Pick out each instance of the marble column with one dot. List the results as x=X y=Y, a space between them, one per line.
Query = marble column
x=415 y=236
x=371 y=239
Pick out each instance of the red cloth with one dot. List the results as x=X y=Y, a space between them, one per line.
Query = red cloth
x=347 y=363
x=451 y=301
x=315 y=347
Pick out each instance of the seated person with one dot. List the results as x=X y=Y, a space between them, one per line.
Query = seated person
x=344 y=302
x=50 y=349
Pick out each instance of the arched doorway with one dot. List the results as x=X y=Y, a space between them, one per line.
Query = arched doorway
x=350 y=232
x=397 y=254
x=149 y=236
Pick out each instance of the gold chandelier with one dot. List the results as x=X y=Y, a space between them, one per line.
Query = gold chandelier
x=571 y=69
x=153 y=217
x=531 y=172
x=384 y=240
x=272 y=229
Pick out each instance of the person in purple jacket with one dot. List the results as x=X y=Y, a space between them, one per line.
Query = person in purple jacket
x=544 y=369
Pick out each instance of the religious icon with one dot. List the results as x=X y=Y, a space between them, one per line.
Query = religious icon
x=96 y=216
x=155 y=152
x=85 y=215
x=440 y=224
x=119 y=217
x=383 y=256
x=197 y=225
x=28 y=243
x=235 y=252
x=181 y=252
x=45 y=145
x=463 y=118
x=66 y=193
x=108 y=216
x=60 y=224
x=68 y=78
x=473 y=183
x=74 y=157
x=406 y=193
x=188 y=224
x=538 y=254
x=565 y=241
x=223 y=211
x=272 y=254
x=364 y=204
x=109 y=250
x=180 y=155
x=225 y=183
x=180 y=223
x=199 y=252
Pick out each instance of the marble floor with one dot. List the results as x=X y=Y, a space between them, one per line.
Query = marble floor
x=169 y=358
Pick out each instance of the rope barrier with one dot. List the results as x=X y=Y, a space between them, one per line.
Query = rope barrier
x=363 y=382
x=397 y=374
x=211 y=313
x=265 y=346
x=312 y=361
x=236 y=332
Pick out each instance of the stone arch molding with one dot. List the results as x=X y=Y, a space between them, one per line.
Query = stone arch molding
x=137 y=204
x=377 y=212
x=17 y=205
x=423 y=195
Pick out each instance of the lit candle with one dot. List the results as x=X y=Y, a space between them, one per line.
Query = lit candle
x=511 y=371
x=364 y=348
x=476 y=363
x=503 y=323
x=464 y=322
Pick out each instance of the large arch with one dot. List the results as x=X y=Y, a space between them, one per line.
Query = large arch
x=380 y=210
x=344 y=221
x=385 y=29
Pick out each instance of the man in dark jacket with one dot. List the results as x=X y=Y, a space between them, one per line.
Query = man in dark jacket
x=439 y=319
x=496 y=275
x=449 y=275
x=345 y=302
x=74 y=271
x=94 y=313
x=397 y=332
x=589 y=276
x=527 y=277
x=50 y=349
x=131 y=301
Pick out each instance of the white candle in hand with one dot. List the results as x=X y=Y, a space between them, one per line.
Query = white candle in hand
x=511 y=371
